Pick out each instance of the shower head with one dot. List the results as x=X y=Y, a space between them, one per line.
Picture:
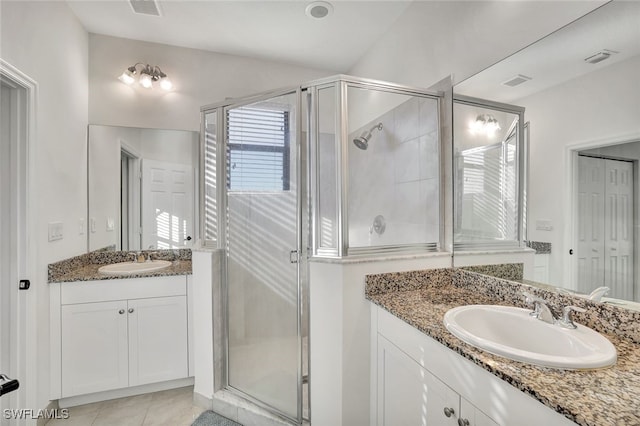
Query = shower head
x=362 y=141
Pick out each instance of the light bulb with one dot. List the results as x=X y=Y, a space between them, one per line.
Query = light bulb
x=166 y=84
x=127 y=78
x=145 y=81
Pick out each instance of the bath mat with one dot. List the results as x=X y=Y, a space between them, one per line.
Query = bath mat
x=209 y=418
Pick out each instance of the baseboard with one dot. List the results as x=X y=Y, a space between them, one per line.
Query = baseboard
x=202 y=401
x=52 y=406
x=124 y=392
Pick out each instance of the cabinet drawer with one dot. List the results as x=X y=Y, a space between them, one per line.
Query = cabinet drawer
x=122 y=289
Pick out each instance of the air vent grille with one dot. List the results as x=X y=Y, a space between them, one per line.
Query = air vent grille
x=145 y=7
x=600 y=56
x=517 y=80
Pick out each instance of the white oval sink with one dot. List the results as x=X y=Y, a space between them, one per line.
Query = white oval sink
x=129 y=268
x=511 y=332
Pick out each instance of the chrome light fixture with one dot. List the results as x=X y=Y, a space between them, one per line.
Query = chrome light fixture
x=146 y=75
x=485 y=123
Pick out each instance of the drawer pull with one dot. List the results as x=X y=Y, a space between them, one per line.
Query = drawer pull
x=463 y=422
x=130 y=310
x=121 y=311
x=449 y=411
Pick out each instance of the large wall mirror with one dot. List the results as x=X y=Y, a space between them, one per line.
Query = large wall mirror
x=142 y=187
x=580 y=90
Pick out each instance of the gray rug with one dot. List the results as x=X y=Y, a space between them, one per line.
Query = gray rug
x=209 y=418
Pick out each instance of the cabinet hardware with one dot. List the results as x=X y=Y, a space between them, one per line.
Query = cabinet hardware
x=130 y=310
x=449 y=411
x=121 y=311
x=463 y=422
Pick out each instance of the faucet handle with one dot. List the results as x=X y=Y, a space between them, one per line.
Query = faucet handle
x=566 y=321
x=534 y=300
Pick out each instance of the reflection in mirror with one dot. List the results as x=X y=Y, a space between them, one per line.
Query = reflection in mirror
x=141 y=188
x=486 y=172
x=580 y=90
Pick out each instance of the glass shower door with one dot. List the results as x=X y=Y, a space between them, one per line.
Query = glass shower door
x=262 y=246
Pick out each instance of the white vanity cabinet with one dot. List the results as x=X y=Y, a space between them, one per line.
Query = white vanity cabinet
x=119 y=333
x=409 y=395
x=416 y=381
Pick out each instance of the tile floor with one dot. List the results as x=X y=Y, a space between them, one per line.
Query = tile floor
x=172 y=407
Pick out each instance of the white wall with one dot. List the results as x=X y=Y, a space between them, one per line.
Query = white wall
x=434 y=39
x=45 y=41
x=601 y=106
x=200 y=78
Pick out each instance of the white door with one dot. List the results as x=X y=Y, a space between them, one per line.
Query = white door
x=157 y=339
x=590 y=244
x=167 y=205
x=618 y=228
x=94 y=347
x=605 y=243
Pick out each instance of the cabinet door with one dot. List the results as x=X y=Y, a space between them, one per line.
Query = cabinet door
x=474 y=416
x=157 y=339
x=408 y=394
x=94 y=347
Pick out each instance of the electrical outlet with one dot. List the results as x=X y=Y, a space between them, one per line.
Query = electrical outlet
x=92 y=224
x=56 y=231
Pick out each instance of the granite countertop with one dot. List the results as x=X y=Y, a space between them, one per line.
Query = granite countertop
x=90 y=272
x=85 y=267
x=607 y=396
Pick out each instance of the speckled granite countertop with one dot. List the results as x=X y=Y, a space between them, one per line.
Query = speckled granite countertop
x=607 y=396
x=85 y=267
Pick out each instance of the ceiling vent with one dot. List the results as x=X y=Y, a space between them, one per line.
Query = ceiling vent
x=600 y=56
x=145 y=7
x=516 y=81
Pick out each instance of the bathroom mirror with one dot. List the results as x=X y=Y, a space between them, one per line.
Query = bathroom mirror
x=142 y=188
x=580 y=90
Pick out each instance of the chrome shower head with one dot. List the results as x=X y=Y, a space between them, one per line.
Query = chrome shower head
x=362 y=141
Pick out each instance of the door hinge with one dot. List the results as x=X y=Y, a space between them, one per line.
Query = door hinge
x=293 y=256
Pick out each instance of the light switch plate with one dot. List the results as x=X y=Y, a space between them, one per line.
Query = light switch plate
x=81 y=226
x=56 y=231
x=110 y=224
x=544 y=225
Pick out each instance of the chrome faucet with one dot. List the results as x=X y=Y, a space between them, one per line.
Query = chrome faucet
x=541 y=309
x=542 y=312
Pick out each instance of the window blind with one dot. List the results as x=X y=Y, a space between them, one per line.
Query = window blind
x=258 y=149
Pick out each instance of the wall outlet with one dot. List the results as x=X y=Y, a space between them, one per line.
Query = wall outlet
x=92 y=224
x=56 y=231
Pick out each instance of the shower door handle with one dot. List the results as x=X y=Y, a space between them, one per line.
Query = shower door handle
x=293 y=256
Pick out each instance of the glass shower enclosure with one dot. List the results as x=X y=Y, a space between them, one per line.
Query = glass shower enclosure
x=333 y=168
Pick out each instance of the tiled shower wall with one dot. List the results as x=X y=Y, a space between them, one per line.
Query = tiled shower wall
x=396 y=177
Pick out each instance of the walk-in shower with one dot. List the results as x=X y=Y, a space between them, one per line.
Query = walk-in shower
x=282 y=182
x=362 y=141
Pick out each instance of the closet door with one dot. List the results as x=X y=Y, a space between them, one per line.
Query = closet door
x=618 y=228
x=590 y=239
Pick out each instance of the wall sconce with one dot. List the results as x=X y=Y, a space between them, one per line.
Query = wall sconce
x=485 y=123
x=147 y=76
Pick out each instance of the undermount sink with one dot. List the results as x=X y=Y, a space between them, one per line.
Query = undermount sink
x=129 y=268
x=512 y=333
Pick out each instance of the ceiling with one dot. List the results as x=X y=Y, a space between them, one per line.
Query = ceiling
x=272 y=30
x=559 y=57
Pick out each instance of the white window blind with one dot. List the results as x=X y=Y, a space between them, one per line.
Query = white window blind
x=258 y=149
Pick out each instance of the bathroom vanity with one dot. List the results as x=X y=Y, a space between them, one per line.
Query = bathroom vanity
x=422 y=374
x=119 y=334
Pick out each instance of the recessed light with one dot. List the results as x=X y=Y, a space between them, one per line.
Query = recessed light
x=318 y=9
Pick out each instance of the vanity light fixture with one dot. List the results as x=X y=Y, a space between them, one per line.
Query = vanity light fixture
x=485 y=123
x=146 y=75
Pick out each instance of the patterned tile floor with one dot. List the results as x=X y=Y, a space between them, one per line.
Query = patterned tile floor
x=172 y=407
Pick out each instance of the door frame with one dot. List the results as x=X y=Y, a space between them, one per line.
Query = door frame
x=24 y=352
x=570 y=193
